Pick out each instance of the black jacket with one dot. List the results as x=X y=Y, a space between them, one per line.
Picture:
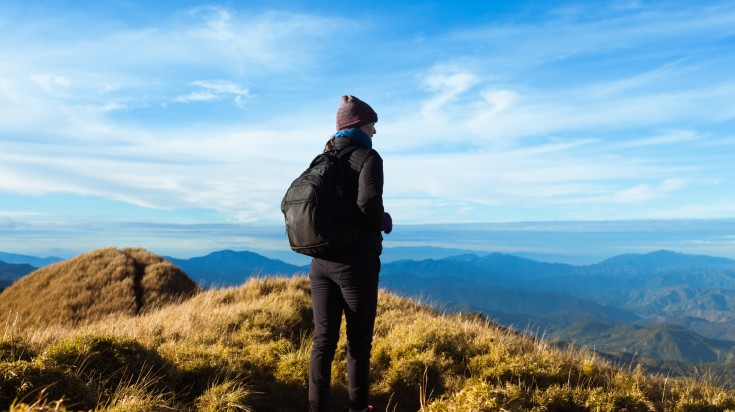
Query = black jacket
x=366 y=179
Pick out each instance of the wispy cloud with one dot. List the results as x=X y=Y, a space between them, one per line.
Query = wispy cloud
x=144 y=67
x=669 y=138
x=50 y=83
x=446 y=84
x=216 y=90
x=644 y=191
x=109 y=107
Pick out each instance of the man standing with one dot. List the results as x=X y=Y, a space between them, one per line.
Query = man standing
x=348 y=283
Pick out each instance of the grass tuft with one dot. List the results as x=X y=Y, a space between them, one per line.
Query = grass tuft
x=228 y=396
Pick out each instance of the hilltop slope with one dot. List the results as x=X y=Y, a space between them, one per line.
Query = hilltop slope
x=247 y=348
x=94 y=285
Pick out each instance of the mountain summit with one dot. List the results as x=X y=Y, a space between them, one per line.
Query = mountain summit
x=95 y=284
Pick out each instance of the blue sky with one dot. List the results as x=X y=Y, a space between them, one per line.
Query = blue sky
x=193 y=114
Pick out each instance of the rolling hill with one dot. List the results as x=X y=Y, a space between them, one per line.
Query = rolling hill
x=94 y=285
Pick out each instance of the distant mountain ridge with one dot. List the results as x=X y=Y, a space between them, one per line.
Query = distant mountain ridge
x=229 y=268
x=10 y=272
x=527 y=308
x=661 y=341
x=31 y=260
x=629 y=272
x=665 y=259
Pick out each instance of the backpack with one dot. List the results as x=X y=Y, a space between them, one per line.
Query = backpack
x=320 y=214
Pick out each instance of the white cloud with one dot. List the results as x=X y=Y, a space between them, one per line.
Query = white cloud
x=199 y=96
x=12 y=214
x=218 y=25
x=249 y=43
x=500 y=100
x=8 y=89
x=593 y=30
x=109 y=107
x=109 y=88
x=240 y=174
x=646 y=192
x=447 y=84
x=216 y=91
x=669 y=138
x=147 y=66
x=651 y=67
x=50 y=83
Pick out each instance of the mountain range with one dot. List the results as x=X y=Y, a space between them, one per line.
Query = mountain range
x=229 y=268
x=31 y=260
x=664 y=305
x=10 y=272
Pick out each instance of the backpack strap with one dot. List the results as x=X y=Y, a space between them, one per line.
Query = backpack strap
x=347 y=150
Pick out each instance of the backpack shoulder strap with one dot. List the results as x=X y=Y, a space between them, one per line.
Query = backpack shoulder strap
x=347 y=150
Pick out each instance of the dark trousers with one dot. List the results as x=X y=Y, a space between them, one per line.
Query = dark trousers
x=349 y=286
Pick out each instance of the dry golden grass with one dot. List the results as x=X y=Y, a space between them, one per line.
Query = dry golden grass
x=94 y=285
x=247 y=348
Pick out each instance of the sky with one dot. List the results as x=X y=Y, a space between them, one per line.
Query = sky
x=178 y=125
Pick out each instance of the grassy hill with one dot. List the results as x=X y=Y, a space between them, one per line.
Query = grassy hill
x=93 y=285
x=247 y=348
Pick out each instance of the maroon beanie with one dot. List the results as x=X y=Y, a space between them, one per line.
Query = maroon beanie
x=353 y=112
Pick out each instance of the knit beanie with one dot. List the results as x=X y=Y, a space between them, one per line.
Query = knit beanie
x=353 y=112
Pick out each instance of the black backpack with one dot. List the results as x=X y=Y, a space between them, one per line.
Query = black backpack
x=320 y=207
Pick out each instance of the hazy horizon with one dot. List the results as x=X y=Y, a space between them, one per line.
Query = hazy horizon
x=580 y=242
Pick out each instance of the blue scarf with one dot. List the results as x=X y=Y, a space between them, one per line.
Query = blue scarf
x=356 y=134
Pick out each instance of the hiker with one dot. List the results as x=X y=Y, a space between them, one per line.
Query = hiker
x=348 y=283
